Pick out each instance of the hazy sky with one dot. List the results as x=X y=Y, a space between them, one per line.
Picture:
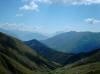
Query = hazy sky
x=48 y=16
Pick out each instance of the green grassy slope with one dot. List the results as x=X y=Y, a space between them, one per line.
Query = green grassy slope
x=17 y=58
x=92 y=68
x=87 y=65
x=48 y=53
x=56 y=56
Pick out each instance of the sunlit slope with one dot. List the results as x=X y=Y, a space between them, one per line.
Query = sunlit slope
x=87 y=65
x=48 y=53
x=17 y=58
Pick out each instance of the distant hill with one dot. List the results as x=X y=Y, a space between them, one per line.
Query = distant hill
x=8 y=32
x=86 y=65
x=53 y=55
x=48 y=53
x=18 y=58
x=74 y=42
x=24 y=35
x=78 y=57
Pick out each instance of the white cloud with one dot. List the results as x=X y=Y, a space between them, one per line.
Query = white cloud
x=34 y=6
x=73 y=2
x=28 y=28
x=31 y=6
x=18 y=15
x=80 y=2
x=21 y=27
x=92 y=21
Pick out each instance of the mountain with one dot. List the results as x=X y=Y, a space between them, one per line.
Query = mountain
x=53 y=55
x=18 y=58
x=55 y=33
x=48 y=53
x=8 y=32
x=74 y=42
x=86 y=65
x=80 y=56
x=59 y=32
x=24 y=35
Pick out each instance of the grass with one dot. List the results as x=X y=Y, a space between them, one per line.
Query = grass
x=92 y=68
x=18 y=58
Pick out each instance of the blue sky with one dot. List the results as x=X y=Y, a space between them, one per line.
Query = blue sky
x=49 y=16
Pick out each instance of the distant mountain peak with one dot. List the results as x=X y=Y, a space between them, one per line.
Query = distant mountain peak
x=24 y=35
x=74 y=42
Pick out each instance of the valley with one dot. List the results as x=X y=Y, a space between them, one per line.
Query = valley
x=35 y=57
x=49 y=36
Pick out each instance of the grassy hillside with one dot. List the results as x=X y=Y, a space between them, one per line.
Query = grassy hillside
x=17 y=58
x=74 y=42
x=56 y=56
x=87 y=65
x=48 y=53
x=92 y=68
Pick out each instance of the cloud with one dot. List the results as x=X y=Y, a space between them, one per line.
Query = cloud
x=73 y=2
x=28 y=28
x=21 y=27
x=81 y=2
x=32 y=6
x=92 y=21
x=18 y=15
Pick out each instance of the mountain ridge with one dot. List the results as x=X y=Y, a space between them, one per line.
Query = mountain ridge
x=18 y=58
x=74 y=42
x=47 y=52
x=24 y=35
x=86 y=65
